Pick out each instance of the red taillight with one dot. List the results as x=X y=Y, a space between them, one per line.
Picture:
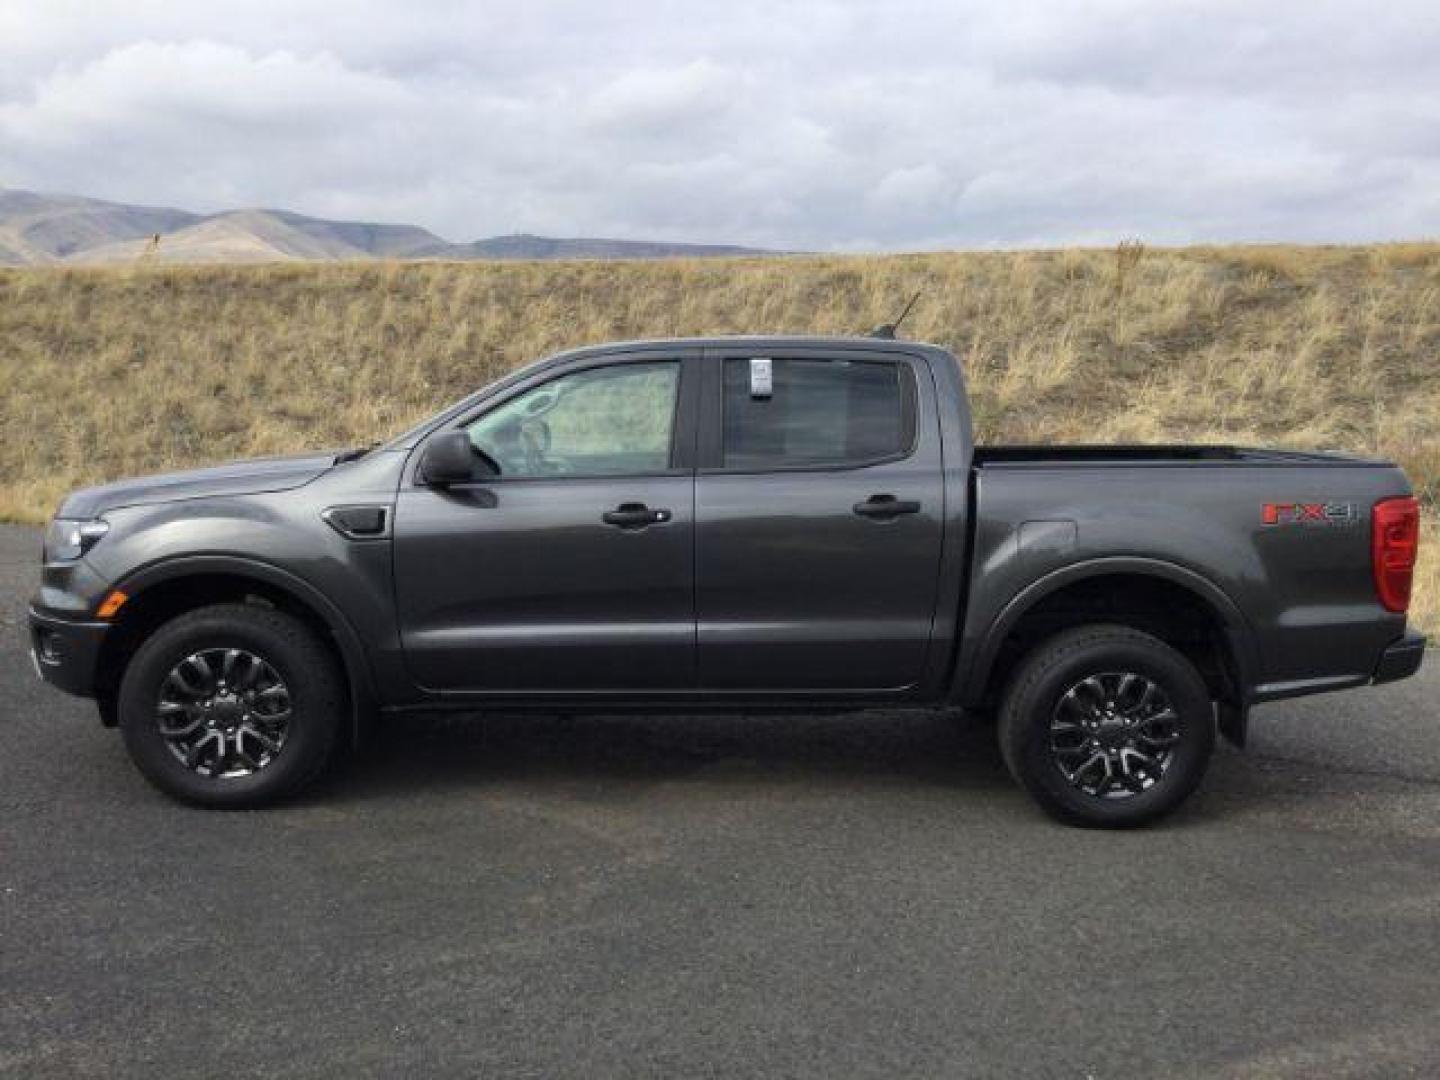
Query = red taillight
x=1394 y=540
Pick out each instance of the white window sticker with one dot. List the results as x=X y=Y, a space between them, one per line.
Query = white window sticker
x=762 y=383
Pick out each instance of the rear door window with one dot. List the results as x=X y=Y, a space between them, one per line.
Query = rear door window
x=813 y=412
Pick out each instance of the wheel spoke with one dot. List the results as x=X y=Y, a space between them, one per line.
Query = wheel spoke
x=251 y=675
x=1152 y=768
x=207 y=673
x=1095 y=759
x=196 y=752
x=184 y=679
x=1072 y=705
x=1130 y=780
x=1162 y=729
x=271 y=719
x=183 y=730
x=1095 y=688
x=244 y=755
x=1159 y=741
x=1106 y=775
x=259 y=736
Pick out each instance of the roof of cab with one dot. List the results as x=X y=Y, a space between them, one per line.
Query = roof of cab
x=748 y=342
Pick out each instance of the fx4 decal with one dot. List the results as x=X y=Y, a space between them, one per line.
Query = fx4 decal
x=1322 y=513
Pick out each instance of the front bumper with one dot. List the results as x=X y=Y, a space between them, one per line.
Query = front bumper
x=66 y=652
x=1401 y=659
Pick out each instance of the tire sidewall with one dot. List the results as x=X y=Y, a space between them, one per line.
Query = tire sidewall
x=290 y=649
x=1038 y=690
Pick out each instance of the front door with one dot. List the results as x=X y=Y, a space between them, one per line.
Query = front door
x=819 y=522
x=573 y=569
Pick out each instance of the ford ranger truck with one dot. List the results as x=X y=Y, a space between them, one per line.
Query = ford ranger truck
x=754 y=523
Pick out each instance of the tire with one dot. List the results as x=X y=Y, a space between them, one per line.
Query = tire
x=256 y=751
x=1074 y=707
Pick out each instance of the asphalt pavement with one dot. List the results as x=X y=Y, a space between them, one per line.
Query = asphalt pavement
x=864 y=895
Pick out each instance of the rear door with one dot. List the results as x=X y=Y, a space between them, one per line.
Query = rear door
x=819 y=521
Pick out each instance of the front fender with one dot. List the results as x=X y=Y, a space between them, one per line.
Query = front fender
x=352 y=649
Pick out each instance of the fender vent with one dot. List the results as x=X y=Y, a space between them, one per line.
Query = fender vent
x=359 y=522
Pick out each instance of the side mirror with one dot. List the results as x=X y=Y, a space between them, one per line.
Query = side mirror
x=450 y=458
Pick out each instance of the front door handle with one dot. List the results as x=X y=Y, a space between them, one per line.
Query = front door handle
x=634 y=516
x=886 y=506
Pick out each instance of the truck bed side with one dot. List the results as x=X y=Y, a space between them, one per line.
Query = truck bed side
x=1294 y=598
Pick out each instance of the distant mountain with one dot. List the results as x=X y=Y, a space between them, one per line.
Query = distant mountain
x=53 y=228
x=525 y=246
x=40 y=228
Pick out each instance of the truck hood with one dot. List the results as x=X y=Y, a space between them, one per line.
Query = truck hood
x=235 y=478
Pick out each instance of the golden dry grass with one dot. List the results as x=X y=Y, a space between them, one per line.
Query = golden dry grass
x=119 y=371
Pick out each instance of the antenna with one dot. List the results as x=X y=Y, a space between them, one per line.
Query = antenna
x=886 y=331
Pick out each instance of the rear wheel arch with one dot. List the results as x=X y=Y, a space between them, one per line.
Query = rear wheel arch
x=1179 y=606
x=163 y=591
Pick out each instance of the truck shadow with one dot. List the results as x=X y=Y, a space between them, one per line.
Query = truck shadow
x=944 y=749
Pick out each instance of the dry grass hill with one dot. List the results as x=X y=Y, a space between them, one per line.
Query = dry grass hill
x=105 y=372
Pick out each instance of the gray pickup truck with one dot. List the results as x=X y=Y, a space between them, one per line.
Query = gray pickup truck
x=750 y=523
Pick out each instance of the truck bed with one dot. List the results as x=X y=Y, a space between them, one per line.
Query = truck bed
x=1304 y=587
x=1158 y=454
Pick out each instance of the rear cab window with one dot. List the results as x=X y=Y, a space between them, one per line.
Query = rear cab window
x=793 y=412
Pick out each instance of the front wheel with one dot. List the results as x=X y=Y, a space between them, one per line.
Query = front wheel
x=1107 y=726
x=231 y=706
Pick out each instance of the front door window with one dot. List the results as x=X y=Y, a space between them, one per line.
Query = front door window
x=607 y=421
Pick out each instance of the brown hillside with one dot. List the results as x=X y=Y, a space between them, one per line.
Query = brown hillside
x=110 y=372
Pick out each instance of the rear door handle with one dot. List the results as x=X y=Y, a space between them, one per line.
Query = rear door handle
x=886 y=506
x=634 y=516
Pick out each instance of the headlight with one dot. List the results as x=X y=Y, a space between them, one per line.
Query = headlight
x=67 y=540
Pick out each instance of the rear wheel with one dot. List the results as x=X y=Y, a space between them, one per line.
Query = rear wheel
x=1107 y=726
x=231 y=706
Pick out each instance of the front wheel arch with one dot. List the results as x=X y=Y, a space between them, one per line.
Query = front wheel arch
x=163 y=591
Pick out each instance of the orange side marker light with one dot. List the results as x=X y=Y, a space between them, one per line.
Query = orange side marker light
x=111 y=604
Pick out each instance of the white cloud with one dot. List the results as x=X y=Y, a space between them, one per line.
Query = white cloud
x=807 y=124
x=199 y=81
x=662 y=103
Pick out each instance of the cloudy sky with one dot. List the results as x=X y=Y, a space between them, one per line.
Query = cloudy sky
x=808 y=124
